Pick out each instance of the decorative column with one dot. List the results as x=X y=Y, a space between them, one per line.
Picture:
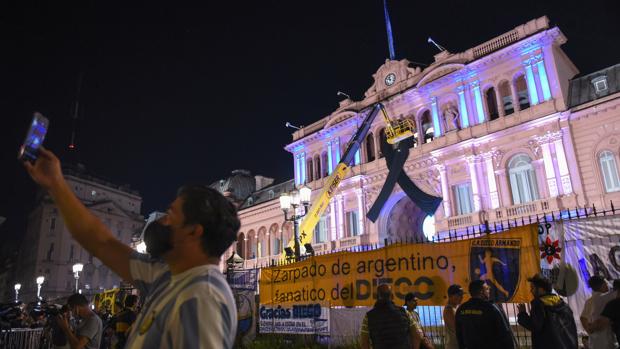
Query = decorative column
x=333 y=231
x=515 y=97
x=531 y=82
x=337 y=146
x=549 y=170
x=341 y=225
x=503 y=187
x=471 y=162
x=499 y=101
x=463 y=107
x=478 y=100
x=330 y=167
x=490 y=170
x=360 y=210
x=542 y=75
x=435 y=115
x=302 y=164
x=296 y=169
x=445 y=193
x=567 y=187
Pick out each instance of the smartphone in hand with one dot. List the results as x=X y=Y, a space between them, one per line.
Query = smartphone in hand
x=34 y=138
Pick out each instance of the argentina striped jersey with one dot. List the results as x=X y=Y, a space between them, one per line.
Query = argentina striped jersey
x=194 y=309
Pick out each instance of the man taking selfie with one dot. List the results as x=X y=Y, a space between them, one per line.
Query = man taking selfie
x=188 y=303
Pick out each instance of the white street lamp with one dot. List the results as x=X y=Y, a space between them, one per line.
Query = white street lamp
x=77 y=268
x=17 y=288
x=293 y=200
x=40 y=281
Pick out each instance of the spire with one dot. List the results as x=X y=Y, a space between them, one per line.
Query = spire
x=76 y=111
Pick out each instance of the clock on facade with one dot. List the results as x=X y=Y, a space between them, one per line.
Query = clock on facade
x=390 y=79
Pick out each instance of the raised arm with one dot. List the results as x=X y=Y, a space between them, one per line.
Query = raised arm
x=86 y=228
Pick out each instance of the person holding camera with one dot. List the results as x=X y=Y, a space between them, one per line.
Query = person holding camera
x=188 y=303
x=87 y=334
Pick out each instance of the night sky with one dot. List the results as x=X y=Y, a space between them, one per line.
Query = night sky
x=176 y=93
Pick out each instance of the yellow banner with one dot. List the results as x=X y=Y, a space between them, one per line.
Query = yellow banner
x=504 y=260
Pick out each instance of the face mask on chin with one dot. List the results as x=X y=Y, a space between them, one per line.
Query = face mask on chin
x=157 y=238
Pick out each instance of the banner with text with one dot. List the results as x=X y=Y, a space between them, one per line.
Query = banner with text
x=504 y=260
x=295 y=319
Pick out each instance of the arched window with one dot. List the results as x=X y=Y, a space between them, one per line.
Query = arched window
x=609 y=169
x=370 y=147
x=317 y=167
x=427 y=126
x=382 y=139
x=491 y=100
x=263 y=242
x=241 y=245
x=252 y=243
x=324 y=165
x=524 y=98
x=276 y=242
x=309 y=171
x=506 y=97
x=522 y=179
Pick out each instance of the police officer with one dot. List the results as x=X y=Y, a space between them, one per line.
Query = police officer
x=480 y=324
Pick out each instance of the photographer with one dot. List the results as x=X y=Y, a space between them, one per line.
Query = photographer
x=59 y=339
x=89 y=328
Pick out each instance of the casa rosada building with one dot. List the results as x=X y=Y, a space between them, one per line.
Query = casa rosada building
x=506 y=129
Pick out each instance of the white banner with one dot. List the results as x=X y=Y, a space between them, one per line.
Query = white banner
x=591 y=247
x=295 y=319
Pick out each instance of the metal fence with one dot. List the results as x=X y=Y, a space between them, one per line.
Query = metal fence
x=431 y=316
x=25 y=338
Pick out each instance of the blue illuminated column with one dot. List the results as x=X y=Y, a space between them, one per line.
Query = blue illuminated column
x=435 y=113
x=329 y=158
x=302 y=161
x=297 y=173
x=531 y=83
x=478 y=98
x=337 y=145
x=544 y=82
x=463 y=107
x=357 y=157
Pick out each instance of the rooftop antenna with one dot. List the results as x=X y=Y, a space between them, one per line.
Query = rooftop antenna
x=288 y=124
x=439 y=47
x=339 y=93
x=76 y=111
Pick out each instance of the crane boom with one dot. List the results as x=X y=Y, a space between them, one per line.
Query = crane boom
x=320 y=203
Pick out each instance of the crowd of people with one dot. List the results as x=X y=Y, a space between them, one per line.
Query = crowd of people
x=480 y=323
x=75 y=324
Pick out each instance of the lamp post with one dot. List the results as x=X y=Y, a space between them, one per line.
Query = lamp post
x=289 y=202
x=77 y=268
x=40 y=281
x=17 y=288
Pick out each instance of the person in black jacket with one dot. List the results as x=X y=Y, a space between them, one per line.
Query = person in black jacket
x=387 y=326
x=480 y=324
x=550 y=319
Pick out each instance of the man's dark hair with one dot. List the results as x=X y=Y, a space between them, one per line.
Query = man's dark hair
x=131 y=300
x=596 y=282
x=218 y=217
x=77 y=299
x=475 y=288
x=410 y=296
x=540 y=281
x=616 y=285
x=384 y=292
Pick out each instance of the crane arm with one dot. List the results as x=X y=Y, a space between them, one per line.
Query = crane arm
x=320 y=203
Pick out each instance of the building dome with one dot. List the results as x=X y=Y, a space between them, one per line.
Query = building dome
x=238 y=186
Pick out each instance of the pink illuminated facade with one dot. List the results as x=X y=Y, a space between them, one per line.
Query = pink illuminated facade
x=504 y=130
